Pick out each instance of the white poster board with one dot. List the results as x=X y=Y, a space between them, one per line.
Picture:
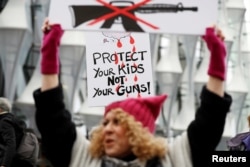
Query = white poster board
x=118 y=67
x=153 y=16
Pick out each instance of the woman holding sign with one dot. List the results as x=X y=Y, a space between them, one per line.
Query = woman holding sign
x=125 y=136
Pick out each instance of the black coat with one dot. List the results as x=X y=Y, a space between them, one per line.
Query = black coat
x=10 y=136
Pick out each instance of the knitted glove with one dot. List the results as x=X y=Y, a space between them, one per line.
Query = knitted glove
x=217 y=65
x=50 y=50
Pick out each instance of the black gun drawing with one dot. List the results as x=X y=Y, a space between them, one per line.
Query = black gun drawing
x=82 y=14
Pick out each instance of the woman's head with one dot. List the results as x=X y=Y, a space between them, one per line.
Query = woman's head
x=144 y=110
x=125 y=131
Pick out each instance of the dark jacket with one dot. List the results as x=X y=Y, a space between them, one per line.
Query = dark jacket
x=59 y=132
x=206 y=130
x=10 y=137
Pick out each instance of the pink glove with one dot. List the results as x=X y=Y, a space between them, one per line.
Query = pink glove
x=50 y=50
x=217 y=65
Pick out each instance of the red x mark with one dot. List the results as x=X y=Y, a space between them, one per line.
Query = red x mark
x=124 y=11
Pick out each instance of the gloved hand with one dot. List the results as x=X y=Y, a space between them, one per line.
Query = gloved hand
x=50 y=49
x=215 y=44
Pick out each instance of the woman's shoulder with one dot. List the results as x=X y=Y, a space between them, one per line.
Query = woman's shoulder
x=80 y=152
x=178 y=153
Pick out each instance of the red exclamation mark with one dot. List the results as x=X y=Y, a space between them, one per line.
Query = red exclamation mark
x=132 y=41
x=135 y=78
x=119 y=44
x=122 y=65
x=138 y=95
x=135 y=65
x=116 y=58
x=134 y=49
x=117 y=88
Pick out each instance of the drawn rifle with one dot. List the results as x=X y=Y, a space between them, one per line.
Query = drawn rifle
x=82 y=14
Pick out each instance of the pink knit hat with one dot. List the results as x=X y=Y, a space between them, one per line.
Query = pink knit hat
x=145 y=110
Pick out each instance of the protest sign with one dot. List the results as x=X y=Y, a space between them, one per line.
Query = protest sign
x=118 y=66
x=153 y=16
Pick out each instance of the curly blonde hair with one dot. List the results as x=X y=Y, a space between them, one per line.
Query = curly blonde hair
x=144 y=145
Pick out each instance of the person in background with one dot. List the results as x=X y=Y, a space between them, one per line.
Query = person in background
x=126 y=135
x=241 y=141
x=11 y=133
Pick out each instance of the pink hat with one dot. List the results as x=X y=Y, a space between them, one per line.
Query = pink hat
x=145 y=110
